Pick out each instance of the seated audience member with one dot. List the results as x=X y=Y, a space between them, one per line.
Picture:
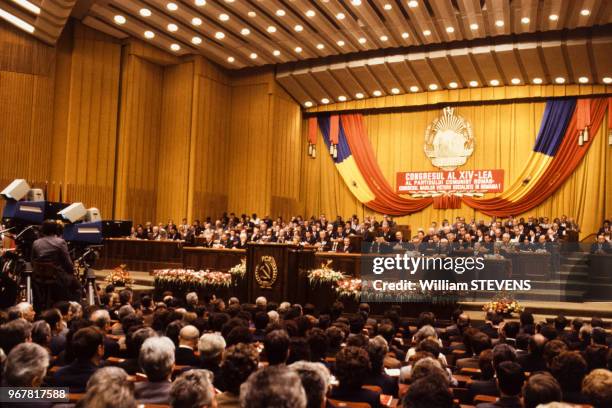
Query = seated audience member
x=239 y=362
x=315 y=379
x=477 y=343
x=503 y=352
x=509 y=332
x=552 y=349
x=273 y=387
x=260 y=322
x=486 y=384
x=193 y=389
x=111 y=395
x=534 y=361
x=41 y=334
x=58 y=332
x=428 y=392
x=352 y=368
x=188 y=339
x=87 y=345
x=133 y=342
x=541 y=388
x=25 y=366
x=569 y=369
x=317 y=341
x=595 y=356
x=601 y=246
x=377 y=350
x=107 y=375
x=510 y=378
x=15 y=332
x=156 y=359
x=597 y=388
x=211 y=348
x=276 y=347
x=101 y=319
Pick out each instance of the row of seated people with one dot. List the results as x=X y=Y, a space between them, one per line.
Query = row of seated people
x=193 y=354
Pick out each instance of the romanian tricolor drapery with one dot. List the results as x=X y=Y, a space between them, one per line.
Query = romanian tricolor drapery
x=560 y=146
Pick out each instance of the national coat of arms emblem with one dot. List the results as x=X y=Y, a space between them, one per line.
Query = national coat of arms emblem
x=449 y=140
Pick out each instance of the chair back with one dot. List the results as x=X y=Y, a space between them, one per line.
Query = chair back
x=347 y=404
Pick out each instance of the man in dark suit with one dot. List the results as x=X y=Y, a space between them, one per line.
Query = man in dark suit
x=101 y=319
x=88 y=347
x=352 y=367
x=486 y=384
x=188 y=340
x=156 y=359
x=510 y=379
x=534 y=361
x=601 y=246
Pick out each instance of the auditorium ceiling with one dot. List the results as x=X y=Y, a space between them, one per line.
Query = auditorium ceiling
x=335 y=50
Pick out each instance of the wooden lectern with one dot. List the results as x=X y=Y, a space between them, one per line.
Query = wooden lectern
x=272 y=271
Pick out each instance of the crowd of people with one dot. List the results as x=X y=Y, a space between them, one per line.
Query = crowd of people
x=505 y=235
x=195 y=352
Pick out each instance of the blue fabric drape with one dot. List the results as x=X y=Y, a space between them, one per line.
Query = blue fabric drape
x=557 y=115
x=343 y=148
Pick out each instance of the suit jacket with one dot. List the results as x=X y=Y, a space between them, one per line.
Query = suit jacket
x=532 y=364
x=483 y=387
x=147 y=392
x=53 y=249
x=605 y=248
x=504 y=402
x=360 y=395
x=185 y=356
x=388 y=384
x=74 y=376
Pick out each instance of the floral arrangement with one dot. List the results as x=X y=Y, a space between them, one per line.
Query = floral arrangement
x=239 y=270
x=190 y=277
x=503 y=305
x=350 y=288
x=324 y=274
x=119 y=276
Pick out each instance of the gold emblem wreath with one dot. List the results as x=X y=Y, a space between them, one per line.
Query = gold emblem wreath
x=266 y=272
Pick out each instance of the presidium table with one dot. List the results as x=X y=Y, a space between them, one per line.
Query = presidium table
x=280 y=271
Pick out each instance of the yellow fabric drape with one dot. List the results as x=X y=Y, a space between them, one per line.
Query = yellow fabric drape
x=504 y=138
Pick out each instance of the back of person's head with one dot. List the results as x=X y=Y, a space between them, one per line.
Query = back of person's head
x=430 y=345
x=110 y=395
x=479 y=342
x=49 y=228
x=13 y=333
x=510 y=378
x=335 y=337
x=26 y=365
x=261 y=320
x=596 y=356
x=273 y=387
x=552 y=349
x=299 y=350
x=211 y=346
x=315 y=379
x=541 y=388
x=569 y=368
x=560 y=323
x=425 y=332
x=597 y=386
x=536 y=345
x=598 y=335
x=548 y=331
x=428 y=367
x=377 y=350
x=238 y=363
x=318 y=344
x=426 y=319
x=157 y=358
x=526 y=318
x=503 y=352
x=100 y=318
x=276 y=346
x=125 y=297
x=485 y=364
x=53 y=317
x=87 y=343
x=511 y=329
x=193 y=389
x=352 y=367
x=107 y=375
x=41 y=333
x=428 y=392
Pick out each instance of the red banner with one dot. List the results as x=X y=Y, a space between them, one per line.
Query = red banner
x=459 y=181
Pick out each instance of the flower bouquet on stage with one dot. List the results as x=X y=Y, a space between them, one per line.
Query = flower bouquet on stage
x=503 y=305
x=119 y=276
x=182 y=281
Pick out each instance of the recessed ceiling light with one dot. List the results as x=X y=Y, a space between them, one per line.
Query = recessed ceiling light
x=433 y=87
x=298 y=49
x=395 y=91
x=276 y=53
x=583 y=80
x=450 y=30
x=119 y=19
x=427 y=33
x=356 y=2
x=340 y=16
x=149 y=34
x=413 y=4
x=172 y=27
x=387 y=6
x=607 y=80
x=310 y=13
x=196 y=40
x=231 y=59
x=340 y=43
x=537 y=81
x=252 y=14
x=553 y=17
x=320 y=46
x=325 y=101
x=494 y=82
x=473 y=26
x=359 y=95
x=200 y=3
x=342 y=98
x=515 y=81
x=172 y=6
x=196 y=21
x=175 y=47
x=280 y=12
x=376 y=93
x=473 y=83
x=560 y=80
x=253 y=56
x=525 y=20
x=223 y=17
x=499 y=23
x=453 y=85
x=308 y=104
x=405 y=35
x=383 y=38
x=219 y=35
x=271 y=29
x=245 y=31
x=362 y=40
x=145 y=12
x=585 y=12
x=414 y=88
x=298 y=28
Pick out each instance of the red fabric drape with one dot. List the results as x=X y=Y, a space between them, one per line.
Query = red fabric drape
x=446 y=202
x=386 y=201
x=564 y=163
x=312 y=130
x=583 y=114
x=334 y=129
